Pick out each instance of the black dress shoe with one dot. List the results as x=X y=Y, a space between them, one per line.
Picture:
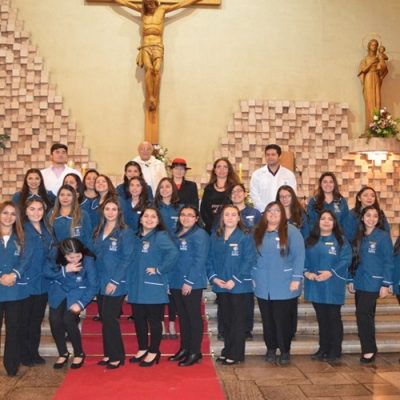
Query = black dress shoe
x=190 y=360
x=181 y=354
x=103 y=362
x=370 y=360
x=38 y=360
x=284 y=359
x=319 y=356
x=155 y=360
x=220 y=359
x=27 y=362
x=115 y=366
x=135 y=360
x=270 y=356
x=79 y=364
x=59 y=365
x=227 y=361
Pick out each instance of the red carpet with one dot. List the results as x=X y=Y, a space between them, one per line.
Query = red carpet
x=163 y=381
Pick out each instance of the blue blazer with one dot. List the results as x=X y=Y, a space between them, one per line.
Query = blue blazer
x=396 y=273
x=17 y=196
x=156 y=250
x=113 y=256
x=327 y=255
x=38 y=246
x=340 y=209
x=169 y=215
x=191 y=265
x=232 y=259
x=250 y=217
x=90 y=206
x=131 y=215
x=376 y=266
x=305 y=227
x=80 y=287
x=353 y=224
x=83 y=231
x=13 y=259
x=274 y=273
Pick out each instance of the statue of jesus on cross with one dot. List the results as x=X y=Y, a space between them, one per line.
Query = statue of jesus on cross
x=151 y=54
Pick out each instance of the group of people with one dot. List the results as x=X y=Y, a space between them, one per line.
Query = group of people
x=66 y=240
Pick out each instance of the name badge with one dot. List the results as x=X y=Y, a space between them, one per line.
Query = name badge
x=336 y=207
x=372 y=247
x=113 y=244
x=174 y=220
x=17 y=251
x=250 y=219
x=183 y=245
x=235 y=249
x=77 y=231
x=278 y=243
x=145 y=247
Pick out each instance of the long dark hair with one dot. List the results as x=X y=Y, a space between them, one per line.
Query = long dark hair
x=221 y=226
x=174 y=198
x=89 y=171
x=282 y=229
x=160 y=226
x=358 y=206
x=143 y=197
x=127 y=180
x=296 y=209
x=120 y=223
x=360 y=236
x=111 y=192
x=232 y=178
x=316 y=232
x=71 y=245
x=320 y=195
x=41 y=191
x=79 y=186
x=17 y=227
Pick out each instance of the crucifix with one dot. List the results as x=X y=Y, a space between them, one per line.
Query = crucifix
x=151 y=52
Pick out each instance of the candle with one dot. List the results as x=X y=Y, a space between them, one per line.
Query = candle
x=71 y=164
x=241 y=173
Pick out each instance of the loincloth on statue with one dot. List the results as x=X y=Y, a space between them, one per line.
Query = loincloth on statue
x=154 y=51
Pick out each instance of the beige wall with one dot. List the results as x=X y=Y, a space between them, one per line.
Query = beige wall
x=266 y=49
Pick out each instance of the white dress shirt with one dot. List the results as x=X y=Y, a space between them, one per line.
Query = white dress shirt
x=264 y=185
x=153 y=171
x=52 y=182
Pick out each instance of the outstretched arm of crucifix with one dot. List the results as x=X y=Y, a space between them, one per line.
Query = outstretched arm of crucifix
x=181 y=4
x=130 y=4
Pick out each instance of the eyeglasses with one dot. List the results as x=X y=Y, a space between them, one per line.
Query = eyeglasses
x=274 y=211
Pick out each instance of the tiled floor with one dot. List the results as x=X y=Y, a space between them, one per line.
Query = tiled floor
x=255 y=380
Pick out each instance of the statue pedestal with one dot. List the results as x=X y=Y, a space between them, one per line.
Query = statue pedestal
x=374 y=145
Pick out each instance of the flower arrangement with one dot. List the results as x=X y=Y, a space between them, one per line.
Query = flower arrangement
x=383 y=125
x=160 y=153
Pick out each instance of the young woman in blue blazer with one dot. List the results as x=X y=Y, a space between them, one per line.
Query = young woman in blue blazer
x=187 y=281
x=90 y=195
x=38 y=242
x=328 y=197
x=12 y=267
x=132 y=169
x=135 y=203
x=328 y=258
x=372 y=271
x=67 y=219
x=75 y=181
x=367 y=196
x=73 y=285
x=154 y=256
x=113 y=247
x=33 y=187
x=231 y=258
x=167 y=201
x=277 y=279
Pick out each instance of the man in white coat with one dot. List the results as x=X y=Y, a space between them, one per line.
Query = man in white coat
x=266 y=181
x=153 y=169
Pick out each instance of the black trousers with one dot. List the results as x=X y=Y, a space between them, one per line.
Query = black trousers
x=330 y=328
x=11 y=310
x=113 y=345
x=172 y=309
x=233 y=310
x=365 y=313
x=149 y=315
x=63 y=321
x=33 y=309
x=191 y=321
x=277 y=320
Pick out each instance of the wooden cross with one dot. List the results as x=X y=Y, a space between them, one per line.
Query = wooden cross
x=151 y=51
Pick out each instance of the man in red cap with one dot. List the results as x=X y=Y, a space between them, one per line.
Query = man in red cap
x=187 y=190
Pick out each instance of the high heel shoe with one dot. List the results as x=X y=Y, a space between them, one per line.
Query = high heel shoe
x=364 y=360
x=79 y=364
x=155 y=360
x=179 y=356
x=59 y=365
x=103 y=362
x=135 y=360
x=191 y=360
x=114 y=366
